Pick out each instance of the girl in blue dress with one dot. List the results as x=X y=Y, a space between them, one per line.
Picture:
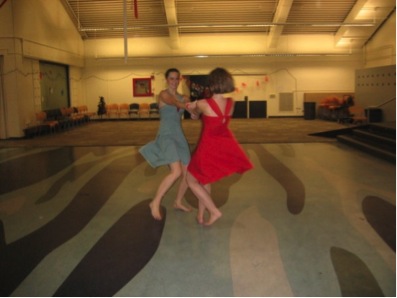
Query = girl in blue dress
x=170 y=146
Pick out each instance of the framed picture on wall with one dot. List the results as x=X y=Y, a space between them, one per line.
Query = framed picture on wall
x=142 y=87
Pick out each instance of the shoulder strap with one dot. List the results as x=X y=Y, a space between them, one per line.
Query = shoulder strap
x=214 y=106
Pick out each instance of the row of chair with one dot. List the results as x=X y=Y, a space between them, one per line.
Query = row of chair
x=53 y=120
x=133 y=110
x=353 y=114
x=344 y=110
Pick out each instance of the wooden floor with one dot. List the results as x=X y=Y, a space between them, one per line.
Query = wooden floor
x=139 y=132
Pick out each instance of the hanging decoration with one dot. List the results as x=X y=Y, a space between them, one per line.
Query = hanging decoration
x=136 y=8
x=125 y=32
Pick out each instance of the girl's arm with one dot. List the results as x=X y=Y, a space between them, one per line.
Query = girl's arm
x=194 y=109
x=170 y=99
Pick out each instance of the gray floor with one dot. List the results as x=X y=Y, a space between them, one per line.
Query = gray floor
x=295 y=225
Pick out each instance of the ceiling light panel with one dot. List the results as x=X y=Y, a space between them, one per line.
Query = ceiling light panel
x=317 y=12
x=225 y=12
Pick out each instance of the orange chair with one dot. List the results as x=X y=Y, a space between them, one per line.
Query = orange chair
x=124 y=109
x=66 y=121
x=356 y=115
x=45 y=124
x=112 y=109
x=83 y=110
x=144 y=109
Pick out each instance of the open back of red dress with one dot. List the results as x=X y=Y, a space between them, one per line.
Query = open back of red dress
x=218 y=153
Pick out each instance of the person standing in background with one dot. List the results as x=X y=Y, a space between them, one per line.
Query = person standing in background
x=101 y=106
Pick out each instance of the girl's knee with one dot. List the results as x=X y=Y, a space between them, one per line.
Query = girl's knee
x=176 y=172
x=191 y=180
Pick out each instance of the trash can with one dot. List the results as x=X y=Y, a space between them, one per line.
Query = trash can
x=373 y=114
x=309 y=110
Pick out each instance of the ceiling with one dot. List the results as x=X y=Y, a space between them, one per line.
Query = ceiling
x=352 y=20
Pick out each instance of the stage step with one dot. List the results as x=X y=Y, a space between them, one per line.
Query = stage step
x=374 y=139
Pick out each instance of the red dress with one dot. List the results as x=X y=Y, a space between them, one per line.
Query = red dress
x=218 y=153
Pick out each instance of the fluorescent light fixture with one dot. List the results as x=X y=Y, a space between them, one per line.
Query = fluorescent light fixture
x=343 y=25
x=233 y=56
x=242 y=25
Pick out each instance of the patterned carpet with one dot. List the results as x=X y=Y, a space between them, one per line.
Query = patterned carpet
x=311 y=219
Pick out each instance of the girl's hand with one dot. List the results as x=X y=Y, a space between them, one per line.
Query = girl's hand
x=191 y=107
x=194 y=116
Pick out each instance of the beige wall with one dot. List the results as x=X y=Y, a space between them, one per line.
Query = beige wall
x=31 y=31
x=258 y=78
x=47 y=32
x=381 y=49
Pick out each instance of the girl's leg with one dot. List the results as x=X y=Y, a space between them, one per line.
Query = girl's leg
x=168 y=181
x=201 y=207
x=202 y=194
x=181 y=192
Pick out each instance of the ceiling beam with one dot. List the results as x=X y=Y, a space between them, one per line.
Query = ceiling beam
x=363 y=11
x=342 y=33
x=280 y=16
x=73 y=17
x=172 y=21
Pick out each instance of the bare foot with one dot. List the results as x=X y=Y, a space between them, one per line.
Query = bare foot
x=180 y=206
x=213 y=218
x=200 y=214
x=200 y=220
x=155 y=209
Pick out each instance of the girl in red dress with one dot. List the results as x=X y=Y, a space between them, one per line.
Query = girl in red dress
x=218 y=153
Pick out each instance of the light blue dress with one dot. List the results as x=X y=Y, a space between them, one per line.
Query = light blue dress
x=170 y=144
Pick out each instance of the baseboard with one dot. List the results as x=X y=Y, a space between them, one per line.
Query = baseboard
x=285 y=116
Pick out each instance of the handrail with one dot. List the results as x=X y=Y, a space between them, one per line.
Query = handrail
x=386 y=102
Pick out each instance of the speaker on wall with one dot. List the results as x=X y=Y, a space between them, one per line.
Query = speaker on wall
x=240 y=109
x=309 y=110
x=258 y=109
x=373 y=114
